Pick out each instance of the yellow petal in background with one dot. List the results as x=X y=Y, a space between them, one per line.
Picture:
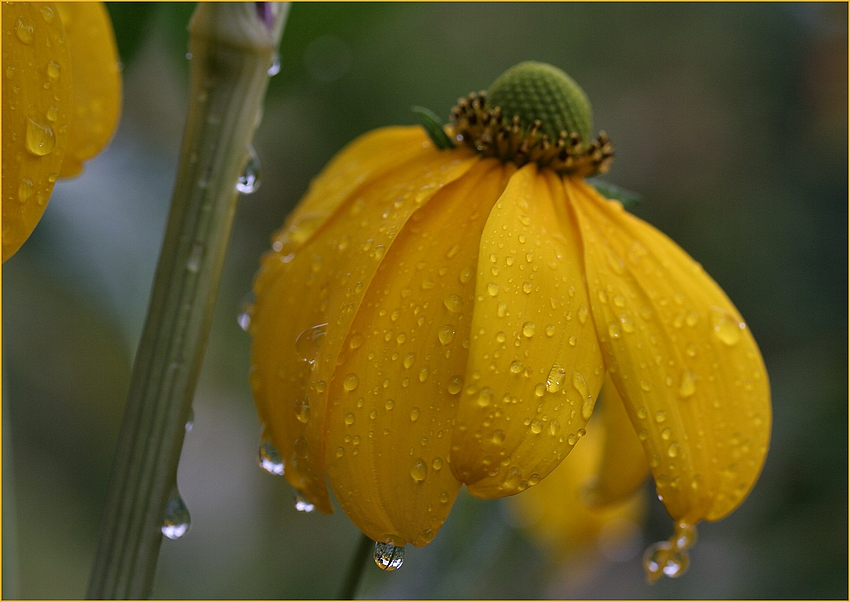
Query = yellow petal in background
x=557 y=514
x=623 y=467
x=97 y=81
x=37 y=112
x=535 y=368
x=397 y=384
x=679 y=353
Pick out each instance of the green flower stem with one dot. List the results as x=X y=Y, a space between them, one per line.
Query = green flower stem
x=232 y=46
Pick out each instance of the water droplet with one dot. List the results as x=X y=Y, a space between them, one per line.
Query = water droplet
x=302 y=409
x=516 y=367
x=25 y=190
x=355 y=341
x=24 y=30
x=414 y=414
x=309 y=342
x=350 y=382
x=550 y=330
x=302 y=505
x=536 y=426
x=492 y=289
x=663 y=558
x=269 y=459
x=684 y=536
x=47 y=14
x=527 y=287
x=419 y=470
x=614 y=330
x=528 y=329
x=660 y=416
x=582 y=313
x=455 y=385
x=196 y=253
x=40 y=138
x=388 y=557
x=725 y=326
x=673 y=450
x=588 y=402
x=349 y=419
x=190 y=421
x=423 y=374
x=485 y=397
x=453 y=303
x=246 y=311
x=446 y=334
x=177 y=520
x=249 y=180
x=274 y=68
x=53 y=70
x=688 y=384
x=556 y=378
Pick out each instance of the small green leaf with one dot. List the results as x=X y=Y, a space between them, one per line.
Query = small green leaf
x=431 y=123
x=628 y=198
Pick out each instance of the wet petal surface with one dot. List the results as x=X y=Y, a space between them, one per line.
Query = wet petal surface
x=682 y=358
x=535 y=367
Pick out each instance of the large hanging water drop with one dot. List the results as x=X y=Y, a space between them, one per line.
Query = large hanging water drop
x=269 y=459
x=249 y=181
x=388 y=557
x=302 y=505
x=177 y=519
x=670 y=558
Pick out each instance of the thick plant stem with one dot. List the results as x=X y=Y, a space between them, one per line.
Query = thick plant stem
x=231 y=48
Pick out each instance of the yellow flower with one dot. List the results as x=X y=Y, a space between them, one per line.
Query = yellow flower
x=429 y=318
x=562 y=513
x=61 y=101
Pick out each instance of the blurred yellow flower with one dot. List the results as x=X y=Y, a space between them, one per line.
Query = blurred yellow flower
x=61 y=102
x=429 y=318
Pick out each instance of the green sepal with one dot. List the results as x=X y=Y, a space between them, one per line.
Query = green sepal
x=628 y=198
x=433 y=127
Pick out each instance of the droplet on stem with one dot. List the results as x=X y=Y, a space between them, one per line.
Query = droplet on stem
x=177 y=520
x=249 y=181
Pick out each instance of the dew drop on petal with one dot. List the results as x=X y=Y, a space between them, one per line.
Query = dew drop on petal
x=446 y=334
x=350 y=382
x=455 y=385
x=453 y=303
x=176 y=521
x=419 y=470
x=246 y=311
x=269 y=459
x=528 y=329
x=309 y=342
x=24 y=30
x=40 y=138
x=556 y=378
x=687 y=384
x=725 y=326
x=492 y=289
x=388 y=557
x=485 y=397
x=274 y=68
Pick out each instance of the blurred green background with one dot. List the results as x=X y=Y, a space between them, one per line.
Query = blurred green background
x=730 y=119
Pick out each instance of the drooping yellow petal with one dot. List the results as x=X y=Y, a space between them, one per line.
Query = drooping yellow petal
x=97 y=82
x=623 y=467
x=312 y=283
x=678 y=351
x=397 y=383
x=535 y=368
x=37 y=111
x=558 y=514
x=364 y=159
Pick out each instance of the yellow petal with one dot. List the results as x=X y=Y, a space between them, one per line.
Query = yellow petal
x=395 y=390
x=97 y=82
x=557 y=514
x=682 y=358
x=313 y=281
x=623 y=466
x=368 y=157
x=37 y=101
x=535 y=367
